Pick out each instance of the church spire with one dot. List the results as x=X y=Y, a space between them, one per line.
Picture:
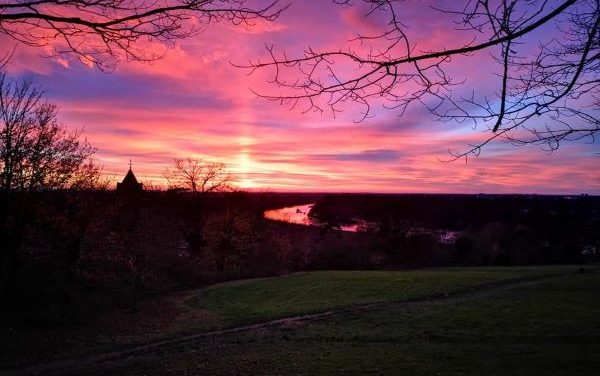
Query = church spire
x=129 y=183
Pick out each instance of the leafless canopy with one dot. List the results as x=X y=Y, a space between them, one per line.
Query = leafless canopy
x=198 y=176
x=101 y=32
x=547 y=88
x=36 y=151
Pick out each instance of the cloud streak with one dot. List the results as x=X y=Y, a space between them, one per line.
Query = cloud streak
x=195 y=103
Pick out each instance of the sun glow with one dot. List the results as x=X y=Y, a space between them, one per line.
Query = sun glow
x=245 y=163
x=245 y=167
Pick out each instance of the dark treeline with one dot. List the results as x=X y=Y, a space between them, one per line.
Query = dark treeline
x=72 y=253
x=485 y=229
x=69 y=254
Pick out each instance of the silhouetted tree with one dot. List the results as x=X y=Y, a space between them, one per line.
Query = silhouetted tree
x=101 y=32
x=140 y=240
x=548 y=64
x=394 y=238
x=37 y=152
x=230 y=240
x=198 y=175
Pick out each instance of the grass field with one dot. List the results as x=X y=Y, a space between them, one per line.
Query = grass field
x=245 y=302
x=546 y=328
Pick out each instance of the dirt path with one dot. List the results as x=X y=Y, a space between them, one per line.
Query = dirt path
x=119 y=358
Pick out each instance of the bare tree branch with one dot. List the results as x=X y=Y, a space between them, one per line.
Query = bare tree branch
x=198 y=176
x=37 y=152
x=101 y=32
x=549 y=91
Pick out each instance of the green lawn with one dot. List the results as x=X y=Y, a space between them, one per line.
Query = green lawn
x=374 y=338
x=245 y=302
x=547 y=328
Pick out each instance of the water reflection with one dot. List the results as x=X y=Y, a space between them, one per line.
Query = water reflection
x=293 y=214
x=299 y=215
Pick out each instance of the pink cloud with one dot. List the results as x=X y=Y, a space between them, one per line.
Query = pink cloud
x=195 y=103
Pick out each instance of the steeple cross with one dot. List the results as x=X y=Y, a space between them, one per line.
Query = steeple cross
x=130 y=163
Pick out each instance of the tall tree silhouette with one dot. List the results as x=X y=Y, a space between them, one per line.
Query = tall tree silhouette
x=198 y=176
x=547 y=57
x=36 y=151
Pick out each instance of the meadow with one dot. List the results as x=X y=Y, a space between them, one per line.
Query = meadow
x=495 y=320
x=245 y=302
x=547 y=327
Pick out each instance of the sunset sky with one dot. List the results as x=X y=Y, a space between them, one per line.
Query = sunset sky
x=195 y=103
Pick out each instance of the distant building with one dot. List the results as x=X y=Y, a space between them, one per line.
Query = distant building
x=129 y=183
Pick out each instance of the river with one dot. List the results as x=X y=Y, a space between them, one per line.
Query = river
x=299 y=215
